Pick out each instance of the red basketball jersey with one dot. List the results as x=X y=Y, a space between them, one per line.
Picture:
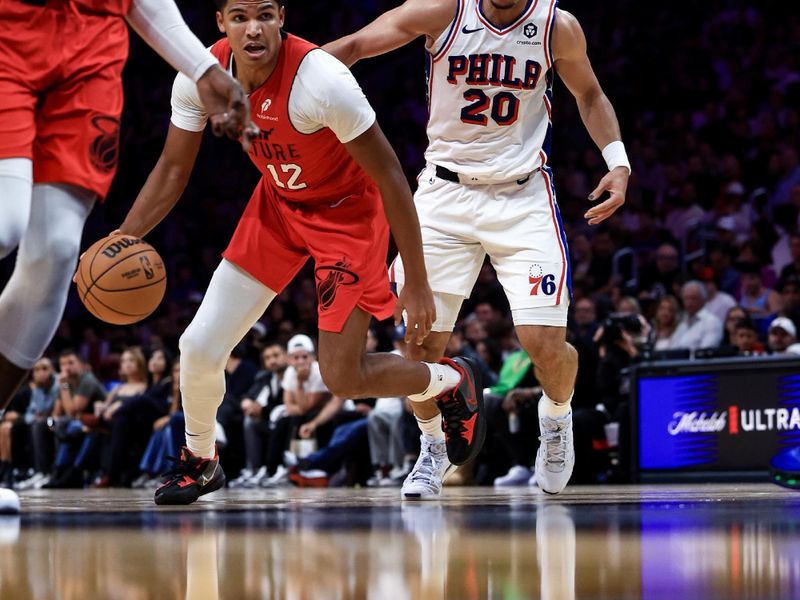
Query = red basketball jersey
x=304 y=168
x=118 y=8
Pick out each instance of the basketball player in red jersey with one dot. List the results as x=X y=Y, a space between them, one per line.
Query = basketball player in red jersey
x=60 y=102
x=330 y=183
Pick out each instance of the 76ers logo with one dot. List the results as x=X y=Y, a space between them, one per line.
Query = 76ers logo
x=541 y=282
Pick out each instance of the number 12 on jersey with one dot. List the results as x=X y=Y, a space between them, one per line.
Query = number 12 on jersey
x=293 y=171
x=504 y=108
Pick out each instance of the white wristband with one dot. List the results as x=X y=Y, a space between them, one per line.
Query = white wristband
x=615 y=156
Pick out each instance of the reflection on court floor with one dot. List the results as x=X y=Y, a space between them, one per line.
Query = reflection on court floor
x=616 y=542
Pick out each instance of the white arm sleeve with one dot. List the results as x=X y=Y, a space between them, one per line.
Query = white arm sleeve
x=160 y=24
x=188 y=112
x=325 y=94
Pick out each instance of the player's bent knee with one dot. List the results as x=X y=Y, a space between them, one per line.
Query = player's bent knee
x=198 y=353
x=55 y=259
x=344 y=382
x=544 y=344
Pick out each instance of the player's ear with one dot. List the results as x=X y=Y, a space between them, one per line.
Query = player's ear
x=220 y=22
x=282 y=15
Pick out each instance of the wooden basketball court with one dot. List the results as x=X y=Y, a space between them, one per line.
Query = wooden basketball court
x=667 y=541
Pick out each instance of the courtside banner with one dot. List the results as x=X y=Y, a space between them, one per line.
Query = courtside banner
x=716 y=415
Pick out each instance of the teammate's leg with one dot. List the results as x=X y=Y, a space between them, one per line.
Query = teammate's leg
x=32 y=303
x=16 y=180
x=233 y=302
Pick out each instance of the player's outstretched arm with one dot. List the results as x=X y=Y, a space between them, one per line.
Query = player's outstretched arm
x=166 y=182
x=393 y=29
x=160 y=24
x=372 y=151
x=573 y=66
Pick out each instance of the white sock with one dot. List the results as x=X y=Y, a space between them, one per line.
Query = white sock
x=431 y=428
x=552 y=409
x=443 y=378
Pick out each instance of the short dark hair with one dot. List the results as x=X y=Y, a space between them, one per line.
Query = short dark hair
x=69 y=352
x=220 y=4
x=746 y=323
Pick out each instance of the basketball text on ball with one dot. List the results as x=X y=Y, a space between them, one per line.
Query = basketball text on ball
x=115 y=248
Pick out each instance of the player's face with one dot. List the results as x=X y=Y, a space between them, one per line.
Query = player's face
x=253 y=28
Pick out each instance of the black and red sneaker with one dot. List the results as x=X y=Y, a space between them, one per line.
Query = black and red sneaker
x=190 y=478
x=463 y=418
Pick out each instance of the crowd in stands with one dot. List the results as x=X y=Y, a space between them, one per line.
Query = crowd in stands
x=702 y=261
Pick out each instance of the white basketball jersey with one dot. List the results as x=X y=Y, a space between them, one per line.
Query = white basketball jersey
x=489 y=93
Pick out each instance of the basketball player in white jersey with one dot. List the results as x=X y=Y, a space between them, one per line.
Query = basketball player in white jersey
x=487 y=188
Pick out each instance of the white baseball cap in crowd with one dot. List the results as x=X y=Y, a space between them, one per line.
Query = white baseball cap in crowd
x=784 y=323
x=300 y=343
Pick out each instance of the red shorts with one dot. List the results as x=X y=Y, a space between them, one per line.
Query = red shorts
x=61 y=91
x=348 y=241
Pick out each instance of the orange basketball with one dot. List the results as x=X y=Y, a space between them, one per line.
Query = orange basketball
x=121 y=279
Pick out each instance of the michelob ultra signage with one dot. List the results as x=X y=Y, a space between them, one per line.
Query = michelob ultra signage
x=721 y=415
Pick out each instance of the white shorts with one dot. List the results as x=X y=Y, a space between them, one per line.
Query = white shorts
x=518 y=226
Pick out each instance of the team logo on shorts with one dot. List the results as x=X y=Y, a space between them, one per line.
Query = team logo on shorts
x=329 y=278
x=104 y=149
x=546 y=284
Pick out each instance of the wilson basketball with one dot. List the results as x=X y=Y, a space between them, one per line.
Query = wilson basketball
x=121 y=279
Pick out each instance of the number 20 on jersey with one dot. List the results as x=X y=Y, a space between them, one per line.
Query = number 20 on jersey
x=492 y=70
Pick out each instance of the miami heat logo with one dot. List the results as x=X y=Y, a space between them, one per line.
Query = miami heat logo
x=104 y=149
x=329 y=278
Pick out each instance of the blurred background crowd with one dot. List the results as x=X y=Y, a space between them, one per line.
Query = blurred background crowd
x=702 y=261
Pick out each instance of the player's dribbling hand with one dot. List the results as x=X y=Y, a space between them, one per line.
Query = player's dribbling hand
x=417 y=301
x=227 y=106
x=616 y=184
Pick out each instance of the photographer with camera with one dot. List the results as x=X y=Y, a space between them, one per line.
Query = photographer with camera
x=620 y=340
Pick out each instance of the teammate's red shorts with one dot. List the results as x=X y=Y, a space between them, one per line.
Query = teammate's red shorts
x=61 y=91
x=348 y=241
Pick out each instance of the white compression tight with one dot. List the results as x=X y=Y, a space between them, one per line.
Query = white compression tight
x=32 y=303
x=16 y=180
x=233 y=302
